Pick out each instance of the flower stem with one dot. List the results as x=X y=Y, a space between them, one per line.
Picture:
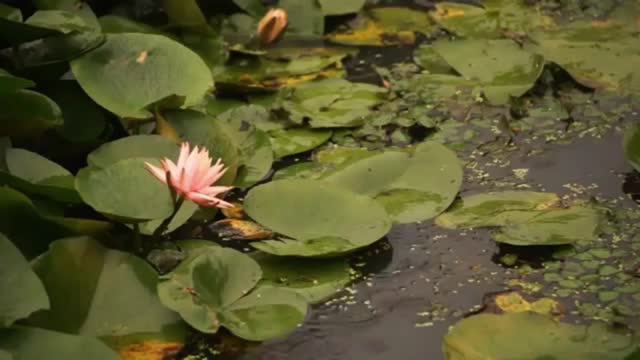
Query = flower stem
x=165 y=223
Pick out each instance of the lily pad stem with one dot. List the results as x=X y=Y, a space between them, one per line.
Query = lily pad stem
x=165 y=223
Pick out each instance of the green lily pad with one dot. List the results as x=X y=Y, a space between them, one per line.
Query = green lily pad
x=23 y=292
x=136 y=146
x=331 y=102
x=490 y=21
x=44 y=23
x=10 y=83
x=203 y=130
x=81 y=277
x=384 y=26
x=632 y=147
x=341 y=7
x=500 y=67
x=321 y=219
x=314 y=279
x=31 y=231
x=57 y=49
x=33 y=343
x=82 y=10
x=303 y=170
x=215 y=287
x=294 y=141
x=28 y=113
x=35 y=174
x=412 y=188
x=552 y=227
x=256 y=155
x=495 y=209
x=184 y=13
x=528 y=335
x=62 y=21
x=308 y=20
x=605 y=61
x=125 y=189
x=133 y=71
x=112 y=24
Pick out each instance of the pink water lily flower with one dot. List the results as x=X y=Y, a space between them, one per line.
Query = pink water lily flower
x=193 y=176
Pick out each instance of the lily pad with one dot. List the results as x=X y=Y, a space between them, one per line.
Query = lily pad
x=57 y=49
x=491 y=21
x=332 y=102
x=495 y=209
x=45 y=23
x=341 y=7
x=82 y=10
x=294 y=141
x=203 y=130
x=33 y=173
x=23 y=292
x=28 y=113
x=500 y=67
x=321 y=219
x=136 y=146
x=605 y=61
x=315 y=279
x=31 y=231
x=256 y=156
x=308 y=20
x=10 y=83
x=133 y=71
x=412 y=188
x=384 y=26
x=33 y=343
x=125 y=189
x=215 y=287
x=552 y=227
x=81 y=277
x=533 y=336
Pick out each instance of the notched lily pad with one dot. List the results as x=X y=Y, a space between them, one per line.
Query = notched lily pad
x=217 y=287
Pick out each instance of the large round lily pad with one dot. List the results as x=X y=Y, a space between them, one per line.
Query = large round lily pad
x=320 y=219
x=137 y=146
x=132 y=71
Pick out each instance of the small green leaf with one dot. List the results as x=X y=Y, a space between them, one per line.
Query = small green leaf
x=132 y=71
x=62 y=21
x=23 y=292
x=125 y=189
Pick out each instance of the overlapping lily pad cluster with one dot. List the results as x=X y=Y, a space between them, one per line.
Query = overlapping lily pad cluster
x=88 y=98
